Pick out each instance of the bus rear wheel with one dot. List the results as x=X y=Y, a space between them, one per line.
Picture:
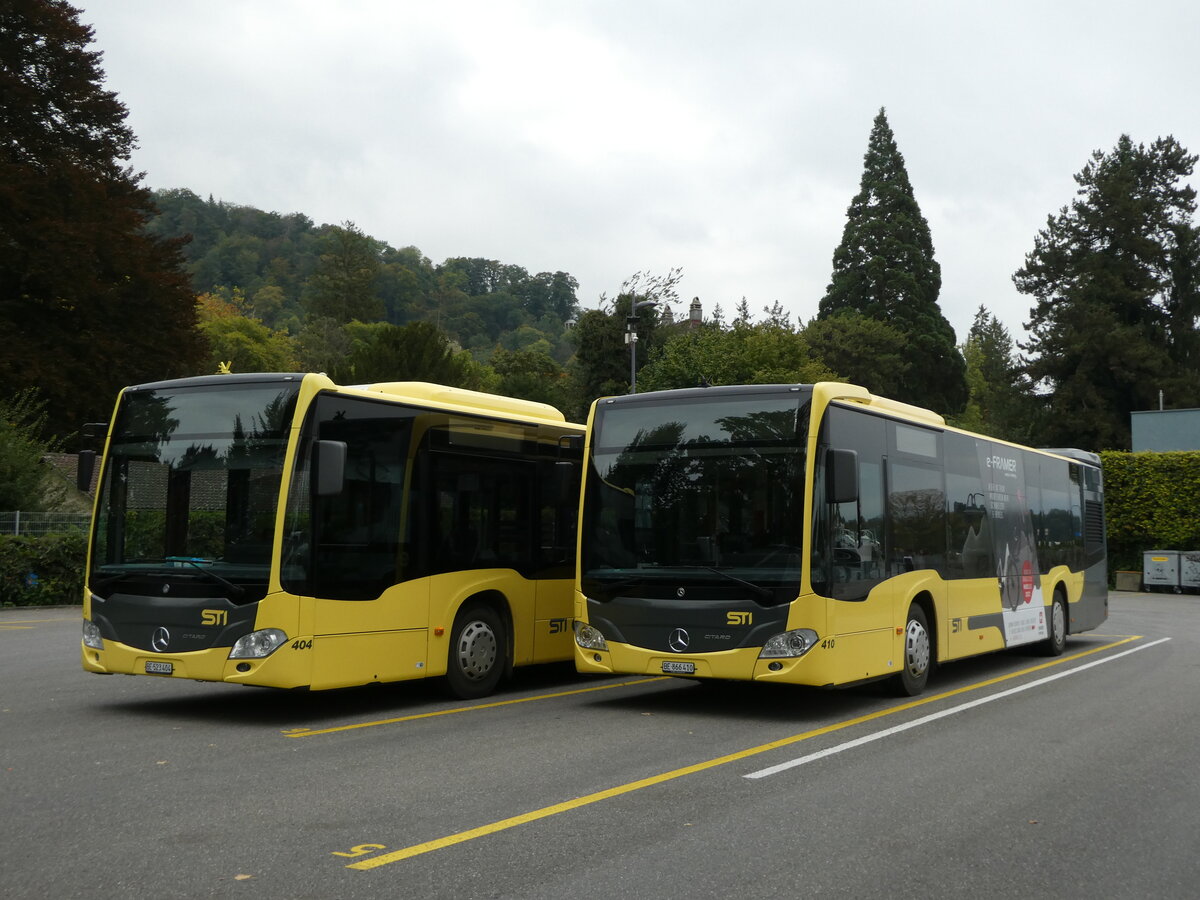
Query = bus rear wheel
x=478 y=652
x=918 y=654
x=1056 y=642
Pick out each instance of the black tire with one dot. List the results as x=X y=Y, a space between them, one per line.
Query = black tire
x=1056 y=625
x=478 y=652
x=918 y=654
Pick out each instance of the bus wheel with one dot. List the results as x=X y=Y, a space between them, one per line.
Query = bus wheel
x=918 y=654
x=477 y=653
x=1054 y=644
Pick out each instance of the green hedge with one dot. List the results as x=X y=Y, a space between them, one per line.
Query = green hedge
x=1152 y=502
x=42 y=571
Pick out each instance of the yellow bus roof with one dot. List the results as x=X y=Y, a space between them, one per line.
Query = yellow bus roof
x=460 y=398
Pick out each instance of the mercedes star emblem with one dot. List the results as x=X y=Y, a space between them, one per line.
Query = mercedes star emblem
x=162 y=638
x=678 y=641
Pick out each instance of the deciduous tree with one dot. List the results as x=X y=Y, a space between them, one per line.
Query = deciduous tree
x=26 y=482
x=322 y=345
x=862 y=350
x=767 y=353
x=242 y=343
x=602 y=356
x=419 y=351
x=89 y=301
x=532 y=375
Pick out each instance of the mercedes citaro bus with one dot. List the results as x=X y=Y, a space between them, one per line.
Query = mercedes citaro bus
x=821 y=535
x=285 y=531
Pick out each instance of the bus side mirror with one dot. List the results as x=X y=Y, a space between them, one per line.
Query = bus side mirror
x=841 y=476
x=84 y=469
x=331 y=467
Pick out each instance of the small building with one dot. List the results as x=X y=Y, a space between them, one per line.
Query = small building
x=1165 y=429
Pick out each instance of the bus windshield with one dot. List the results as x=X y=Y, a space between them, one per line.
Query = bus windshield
x=191 y=485
x=708 y=490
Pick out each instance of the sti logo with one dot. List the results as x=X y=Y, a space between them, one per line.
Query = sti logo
x=214 y=617
x=739 y=618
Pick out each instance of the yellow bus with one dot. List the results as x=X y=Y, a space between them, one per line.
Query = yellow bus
x=285 y=531
x=821 y=535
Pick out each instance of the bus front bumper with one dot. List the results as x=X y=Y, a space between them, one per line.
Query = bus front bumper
x=281 y=669
x=734 y=665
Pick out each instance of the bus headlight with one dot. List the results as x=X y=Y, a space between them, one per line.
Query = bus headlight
x=789 y=644
x=258 y=644
x=91 y=635
x=589 y=638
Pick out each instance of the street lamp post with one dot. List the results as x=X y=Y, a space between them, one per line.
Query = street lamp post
x=631 y=338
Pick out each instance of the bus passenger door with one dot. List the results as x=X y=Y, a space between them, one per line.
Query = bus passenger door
x=552 y=639
x=860 y=608
x=557 y=518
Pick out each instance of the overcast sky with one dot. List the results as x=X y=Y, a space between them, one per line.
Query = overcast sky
x=604 y=138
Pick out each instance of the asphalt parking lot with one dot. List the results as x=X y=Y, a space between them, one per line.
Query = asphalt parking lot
x=1012 y=775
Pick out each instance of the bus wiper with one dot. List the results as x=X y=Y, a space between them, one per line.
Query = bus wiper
x=756 y=588
x=617 y=585
x=101 y=583
x=235 y=590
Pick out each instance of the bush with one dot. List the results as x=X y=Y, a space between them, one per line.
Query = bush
x=1152 y=502
x=42 y=571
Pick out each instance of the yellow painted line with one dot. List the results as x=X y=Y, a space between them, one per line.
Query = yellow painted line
x=15 y=627
x=588 y=799
x=8 y=622
x=309 y=732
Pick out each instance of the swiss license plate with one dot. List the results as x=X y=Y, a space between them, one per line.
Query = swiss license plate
x=154 y=667
x=670 y=667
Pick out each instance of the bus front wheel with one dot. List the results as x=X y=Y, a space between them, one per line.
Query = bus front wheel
x=918 y=654
x=478 y=647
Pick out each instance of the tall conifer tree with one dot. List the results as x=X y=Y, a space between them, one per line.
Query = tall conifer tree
x=884 y=269
x=1001 y=402
x=342 y=287
x=1114 y=278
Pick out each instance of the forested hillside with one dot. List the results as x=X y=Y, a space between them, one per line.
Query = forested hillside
x=286 y=271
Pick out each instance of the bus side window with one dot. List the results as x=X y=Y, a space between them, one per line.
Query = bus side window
x=916 y=499
x=968 y=510
x=917 y=512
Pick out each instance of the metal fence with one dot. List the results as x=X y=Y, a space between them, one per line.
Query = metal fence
x=39 y=523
